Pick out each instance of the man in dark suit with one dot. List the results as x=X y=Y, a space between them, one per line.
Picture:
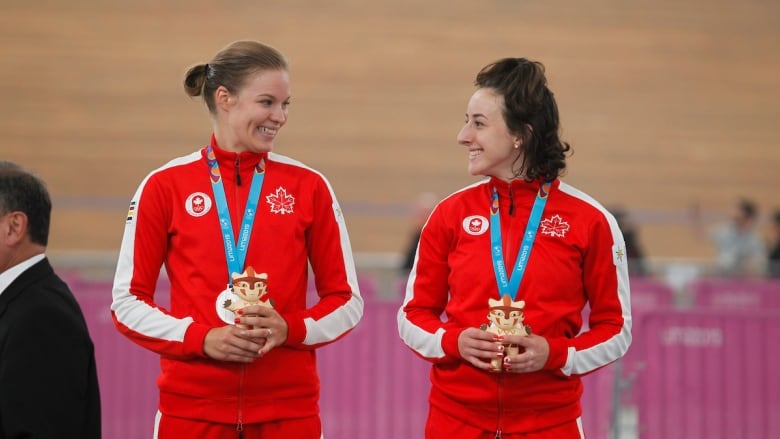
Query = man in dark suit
x=48 y=379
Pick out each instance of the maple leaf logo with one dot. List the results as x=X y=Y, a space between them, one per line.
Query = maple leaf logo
x=555 y=226
x=475 y=225
x=280 y=201
x=198 y=204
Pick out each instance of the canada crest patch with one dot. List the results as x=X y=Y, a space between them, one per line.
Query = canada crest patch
x=197 y=204
x=475 y=225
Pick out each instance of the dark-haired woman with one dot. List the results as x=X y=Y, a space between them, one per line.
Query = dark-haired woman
x=541 y=248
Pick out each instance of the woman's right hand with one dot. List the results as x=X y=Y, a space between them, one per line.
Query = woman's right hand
x=233 y=343
x=478 y=347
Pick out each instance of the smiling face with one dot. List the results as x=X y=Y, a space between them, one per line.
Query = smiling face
x=490 y=145
x=251 y=119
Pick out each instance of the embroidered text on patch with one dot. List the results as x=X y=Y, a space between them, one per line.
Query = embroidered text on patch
x=280 y=201
x=555 y=226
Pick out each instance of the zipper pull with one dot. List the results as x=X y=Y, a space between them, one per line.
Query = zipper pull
x=511 y=201
x=498 y=434
x=238 y=173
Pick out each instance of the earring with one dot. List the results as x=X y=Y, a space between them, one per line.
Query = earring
x=517 y=146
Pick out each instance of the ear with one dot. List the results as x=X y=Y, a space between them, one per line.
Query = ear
x=519 y=138
x=14 y=228
x=222 y=97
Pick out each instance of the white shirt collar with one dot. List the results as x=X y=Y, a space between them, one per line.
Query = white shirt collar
x=10 y=275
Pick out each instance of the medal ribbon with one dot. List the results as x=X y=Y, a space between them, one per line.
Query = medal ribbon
x=235 y=251
x=507 y=285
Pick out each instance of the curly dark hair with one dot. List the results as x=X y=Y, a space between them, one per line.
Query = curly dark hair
x=529 y=111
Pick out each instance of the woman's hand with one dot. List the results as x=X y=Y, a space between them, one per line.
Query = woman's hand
x=479 y=347
x=267 y=324
x=258 y=329
x=232 y=343
x=534 y=351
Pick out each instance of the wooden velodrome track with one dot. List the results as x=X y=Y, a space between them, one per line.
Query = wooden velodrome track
x=667 y=103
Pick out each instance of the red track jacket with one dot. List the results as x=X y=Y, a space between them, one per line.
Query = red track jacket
x=173 y=221
x=578 y=257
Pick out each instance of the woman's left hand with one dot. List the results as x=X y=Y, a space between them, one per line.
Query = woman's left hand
x=532 y=359
x=266 y=323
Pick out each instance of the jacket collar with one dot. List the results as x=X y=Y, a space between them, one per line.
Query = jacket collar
x=33 y=274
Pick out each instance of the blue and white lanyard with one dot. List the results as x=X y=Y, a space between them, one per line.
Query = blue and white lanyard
x=507 y=285
x=235 y=251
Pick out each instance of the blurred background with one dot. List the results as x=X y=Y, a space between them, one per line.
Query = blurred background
x=668 y=105
x=671 y=107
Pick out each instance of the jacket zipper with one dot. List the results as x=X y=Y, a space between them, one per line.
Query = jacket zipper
x=510 y=227
x=236 y=216
x=500 y=380
x=511 y=201
x=240 y=420
x=238 y=172
x=500 y=403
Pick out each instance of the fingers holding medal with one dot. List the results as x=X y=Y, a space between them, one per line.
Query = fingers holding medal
x=505 y=318
x=254 y=309
x=248 y=289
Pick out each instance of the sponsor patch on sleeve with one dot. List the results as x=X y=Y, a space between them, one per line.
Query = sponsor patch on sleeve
x=619 y=255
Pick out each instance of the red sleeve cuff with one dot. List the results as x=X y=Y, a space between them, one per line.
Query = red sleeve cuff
x=449 y=342
x=296 y=329
x=559 y=349
x=194 y=338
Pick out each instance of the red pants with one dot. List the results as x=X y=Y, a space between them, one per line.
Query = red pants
x=169 y=427
x=447 y=427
